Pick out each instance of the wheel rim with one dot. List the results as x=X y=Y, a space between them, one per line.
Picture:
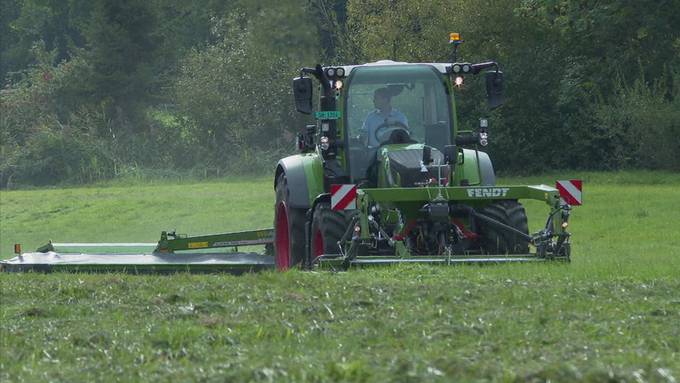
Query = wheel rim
x=318 y=245
x=282 y=243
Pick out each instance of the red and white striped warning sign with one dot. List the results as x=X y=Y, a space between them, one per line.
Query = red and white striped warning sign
x=570 y=191
x=343 y=197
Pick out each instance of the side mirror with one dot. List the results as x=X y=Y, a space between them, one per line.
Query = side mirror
x=494 y=89
x=302 y=90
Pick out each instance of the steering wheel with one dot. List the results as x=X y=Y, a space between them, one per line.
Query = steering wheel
x=386 y=129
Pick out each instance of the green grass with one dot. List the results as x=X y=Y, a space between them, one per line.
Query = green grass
x=613 y=314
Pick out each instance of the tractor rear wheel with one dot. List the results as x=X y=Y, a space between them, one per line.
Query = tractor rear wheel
x=289 y=229
x=495 y=240
x=328 y=227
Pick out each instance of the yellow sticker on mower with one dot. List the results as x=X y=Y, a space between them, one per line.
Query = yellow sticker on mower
x=198 y=245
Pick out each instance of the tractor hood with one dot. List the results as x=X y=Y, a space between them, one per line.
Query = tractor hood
x=402 y=165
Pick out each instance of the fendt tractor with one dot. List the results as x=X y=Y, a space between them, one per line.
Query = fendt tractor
x=385 y=175
x=406 y=184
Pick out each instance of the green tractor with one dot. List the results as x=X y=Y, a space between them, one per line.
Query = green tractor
x=387 y=176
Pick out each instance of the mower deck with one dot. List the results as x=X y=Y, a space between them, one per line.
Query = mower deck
x=139 y=263
x=171 y=254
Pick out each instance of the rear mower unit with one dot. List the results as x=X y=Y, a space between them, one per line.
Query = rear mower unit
x=385 y=175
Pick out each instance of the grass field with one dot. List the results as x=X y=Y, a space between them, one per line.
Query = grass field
x=613 y=314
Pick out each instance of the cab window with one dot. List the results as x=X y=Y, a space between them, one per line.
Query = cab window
x=417 y=110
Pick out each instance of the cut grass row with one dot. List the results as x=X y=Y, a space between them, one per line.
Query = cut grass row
x=612 y=314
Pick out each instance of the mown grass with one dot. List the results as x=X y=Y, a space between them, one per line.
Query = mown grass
x=610 y=315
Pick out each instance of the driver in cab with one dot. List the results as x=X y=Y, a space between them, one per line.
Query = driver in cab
x=383 y=116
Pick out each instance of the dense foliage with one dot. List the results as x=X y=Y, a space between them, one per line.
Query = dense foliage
x=103 y=88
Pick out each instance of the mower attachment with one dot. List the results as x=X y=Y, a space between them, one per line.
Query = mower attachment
x=368 y=242
x=169 y=255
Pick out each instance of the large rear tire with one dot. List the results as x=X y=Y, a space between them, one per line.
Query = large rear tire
x=289 y=229
x=498 y=241
x=328 y=227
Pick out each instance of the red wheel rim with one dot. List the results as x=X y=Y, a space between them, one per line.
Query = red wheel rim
x=318 y=245
x=282 y=243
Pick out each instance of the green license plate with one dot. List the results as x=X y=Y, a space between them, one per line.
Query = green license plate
x=328 y=115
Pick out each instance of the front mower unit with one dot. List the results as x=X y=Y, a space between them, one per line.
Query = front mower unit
x=446 y=218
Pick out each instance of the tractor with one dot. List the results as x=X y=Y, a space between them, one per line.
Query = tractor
x=386 y=174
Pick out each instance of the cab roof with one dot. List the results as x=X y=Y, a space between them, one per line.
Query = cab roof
x=441 y=67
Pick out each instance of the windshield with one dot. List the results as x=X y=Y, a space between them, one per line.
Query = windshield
x=394 y=104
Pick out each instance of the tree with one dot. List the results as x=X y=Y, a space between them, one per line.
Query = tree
x=236 y=92
x=121 y=47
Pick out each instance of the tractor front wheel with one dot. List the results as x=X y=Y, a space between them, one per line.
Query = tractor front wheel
x=289 y=229
x=495 y=240
x=328 y=227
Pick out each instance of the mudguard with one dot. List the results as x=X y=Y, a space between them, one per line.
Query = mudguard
x=304 y=173
x=488 y=176
x=486 y=169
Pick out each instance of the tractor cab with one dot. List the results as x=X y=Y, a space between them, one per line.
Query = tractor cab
x=391 y=124
x=391 y=112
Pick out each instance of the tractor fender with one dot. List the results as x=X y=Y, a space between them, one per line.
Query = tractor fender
x=488 y=177
x=486 y=170
x=304 y=173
